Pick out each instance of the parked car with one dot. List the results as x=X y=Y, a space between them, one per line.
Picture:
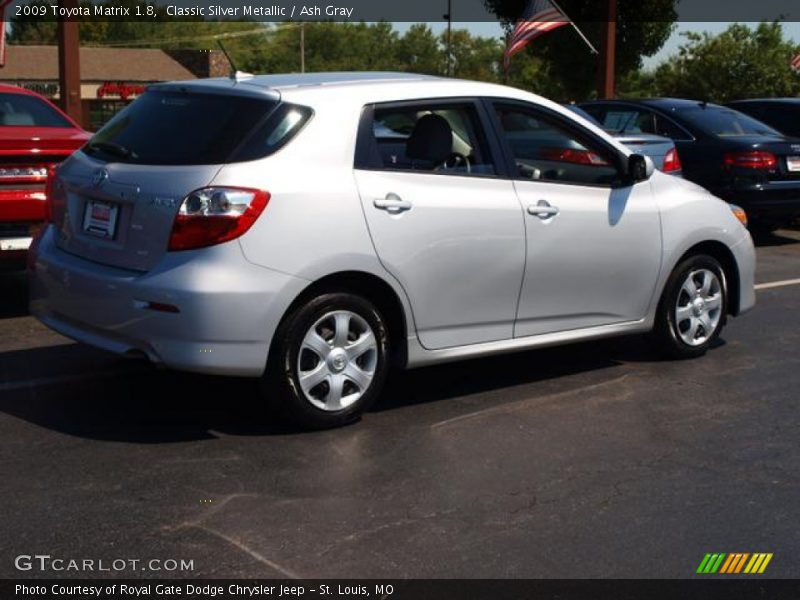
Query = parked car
x=659 y=148
x=782 y=114
x=34 y=136
x=736 y=157
x=311 y=230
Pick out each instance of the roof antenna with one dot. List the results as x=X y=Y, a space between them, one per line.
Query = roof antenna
x=235 y=73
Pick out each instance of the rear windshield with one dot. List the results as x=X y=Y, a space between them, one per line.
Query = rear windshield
x=178 y=128
x=19 y=110
x=725 y=122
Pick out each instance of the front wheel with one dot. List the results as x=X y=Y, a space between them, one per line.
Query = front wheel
x=330 y=361
x=691 y=313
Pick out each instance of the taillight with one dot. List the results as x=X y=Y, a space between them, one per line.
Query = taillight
x=214 y=215
x=53 y=191
x=571 y=155
x=751 y=159
x=672 y=162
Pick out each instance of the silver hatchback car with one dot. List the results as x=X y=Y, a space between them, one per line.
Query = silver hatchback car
x=313 y=230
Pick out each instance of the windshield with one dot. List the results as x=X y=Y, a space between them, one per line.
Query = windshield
x=20 y=110
x=725 y=122
x=579 y=111
x=179 y=128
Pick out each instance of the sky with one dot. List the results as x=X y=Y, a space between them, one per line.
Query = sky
x=791 y=31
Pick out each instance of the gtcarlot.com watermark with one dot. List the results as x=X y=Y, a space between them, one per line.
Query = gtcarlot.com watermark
x=45 y=563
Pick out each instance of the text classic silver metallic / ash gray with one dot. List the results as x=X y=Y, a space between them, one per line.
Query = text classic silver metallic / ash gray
x=312 y=230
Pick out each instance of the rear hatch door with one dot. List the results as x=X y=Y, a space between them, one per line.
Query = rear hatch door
x=122 y=191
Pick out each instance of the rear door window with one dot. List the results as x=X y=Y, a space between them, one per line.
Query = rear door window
x=440 y=138
x=192 y=128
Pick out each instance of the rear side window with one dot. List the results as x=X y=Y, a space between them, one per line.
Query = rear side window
x=276 y=131
x=188 y=128
x=19 y=110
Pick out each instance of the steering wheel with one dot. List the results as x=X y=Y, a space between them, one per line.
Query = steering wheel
x=453 y=161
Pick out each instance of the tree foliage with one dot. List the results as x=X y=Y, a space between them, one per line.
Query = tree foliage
x=643 y=27
x=275 y=48
x=740 y=62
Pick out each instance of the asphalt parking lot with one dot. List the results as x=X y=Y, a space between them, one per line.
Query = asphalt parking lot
x=594 y=460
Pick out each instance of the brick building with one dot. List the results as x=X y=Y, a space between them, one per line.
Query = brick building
x=110 y=77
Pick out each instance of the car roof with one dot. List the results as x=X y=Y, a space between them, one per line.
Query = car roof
x=768 y=101
x=287 y=80
x=661 y=103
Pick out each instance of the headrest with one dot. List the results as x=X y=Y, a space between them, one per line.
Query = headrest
x=432 y=139
x=12 y=119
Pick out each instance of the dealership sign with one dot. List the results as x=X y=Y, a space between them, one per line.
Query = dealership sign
x=119 y=89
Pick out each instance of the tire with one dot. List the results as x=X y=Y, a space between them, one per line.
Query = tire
x=328 y=379
x=690 y=315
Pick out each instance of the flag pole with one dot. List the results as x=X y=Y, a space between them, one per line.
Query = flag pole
x=575 y=27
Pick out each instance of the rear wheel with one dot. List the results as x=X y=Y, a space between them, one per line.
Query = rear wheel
x=329 y=361
x=691 y=313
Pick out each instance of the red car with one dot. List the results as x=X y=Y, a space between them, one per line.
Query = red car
x=34 y=135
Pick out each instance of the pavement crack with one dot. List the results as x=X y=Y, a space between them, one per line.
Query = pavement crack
x=250 y=552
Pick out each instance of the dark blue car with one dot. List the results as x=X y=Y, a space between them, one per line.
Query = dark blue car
x=733 y=155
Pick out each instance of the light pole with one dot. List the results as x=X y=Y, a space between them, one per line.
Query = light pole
x=69 y=69
x=606 y=86
x=302 y=47
x=449 y=17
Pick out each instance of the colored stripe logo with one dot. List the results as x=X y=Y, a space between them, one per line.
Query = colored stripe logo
x=734 y=563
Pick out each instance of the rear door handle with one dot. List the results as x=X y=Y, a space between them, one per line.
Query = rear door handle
x=543 y=210
x=392 y=203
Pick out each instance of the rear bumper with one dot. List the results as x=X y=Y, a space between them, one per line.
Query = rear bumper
x=777 y=201
x=21 y=211
x=229 y=308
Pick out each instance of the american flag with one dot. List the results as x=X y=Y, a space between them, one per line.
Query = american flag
x=796 y=63
x=540 y=16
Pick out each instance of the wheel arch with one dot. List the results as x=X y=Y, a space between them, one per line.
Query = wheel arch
x=730 y=267
x=376 y=290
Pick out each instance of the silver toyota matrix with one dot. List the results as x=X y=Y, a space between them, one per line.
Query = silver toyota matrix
x=314 y=230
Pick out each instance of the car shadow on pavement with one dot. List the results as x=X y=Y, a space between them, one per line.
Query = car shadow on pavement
x=87 y=393
x=13 y=294
x=776 y=238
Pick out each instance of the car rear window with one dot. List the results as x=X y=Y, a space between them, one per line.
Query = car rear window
x=20 y=110
x=725 y=122
x=189 y=128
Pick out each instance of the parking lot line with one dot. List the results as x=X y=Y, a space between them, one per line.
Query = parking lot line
x=777 y=284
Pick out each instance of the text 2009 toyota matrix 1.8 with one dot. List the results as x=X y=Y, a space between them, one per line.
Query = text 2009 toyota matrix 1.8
x=313 y=230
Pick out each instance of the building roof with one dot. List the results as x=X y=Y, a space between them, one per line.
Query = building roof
x=40 y=63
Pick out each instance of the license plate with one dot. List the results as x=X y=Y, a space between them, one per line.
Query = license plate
x=793 y=163
x=13 y=244
x=100 y=219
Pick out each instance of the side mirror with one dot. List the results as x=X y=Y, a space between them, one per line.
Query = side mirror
x=640 y=168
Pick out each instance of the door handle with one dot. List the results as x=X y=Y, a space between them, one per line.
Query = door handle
x=543 y=210
x=392 y=203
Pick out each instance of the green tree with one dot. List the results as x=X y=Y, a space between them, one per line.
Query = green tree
x=419 y=51
x=740 y=62
x=643 y=27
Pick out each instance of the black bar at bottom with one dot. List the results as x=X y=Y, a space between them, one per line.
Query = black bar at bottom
x=752 y=588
